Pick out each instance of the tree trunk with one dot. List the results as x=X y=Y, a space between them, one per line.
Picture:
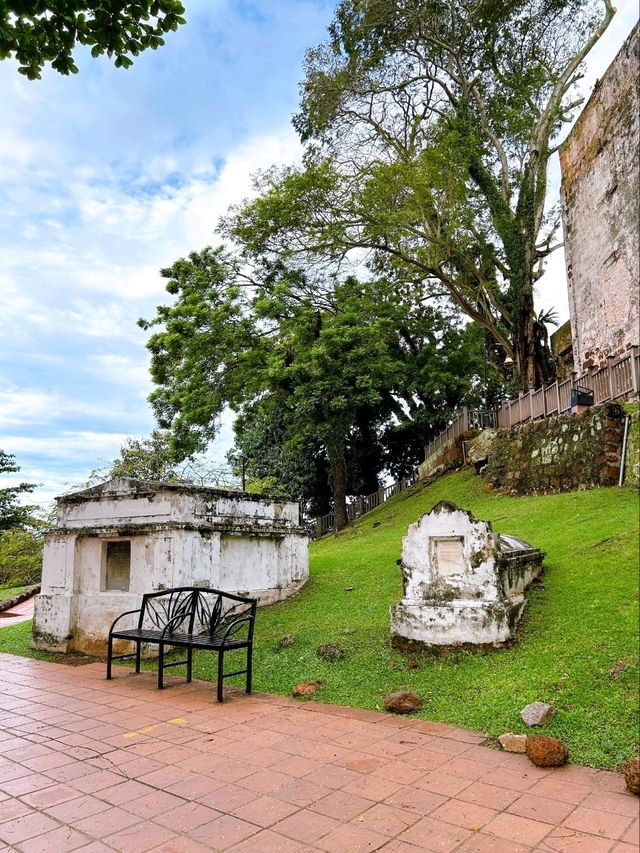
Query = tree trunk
x=339 y=485
x=524 y=347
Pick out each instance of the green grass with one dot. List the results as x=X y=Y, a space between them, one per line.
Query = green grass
x=581 y=622
x=7 y=592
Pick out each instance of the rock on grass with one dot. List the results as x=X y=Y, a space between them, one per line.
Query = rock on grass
x=545 y=751
x=330 y=651
x=402 y=702
x=513 y=743
x=631 y=772
x=306 y=688
x=537 y=713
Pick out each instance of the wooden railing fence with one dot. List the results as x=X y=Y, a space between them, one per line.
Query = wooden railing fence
x=365 y=503
x=618 y=379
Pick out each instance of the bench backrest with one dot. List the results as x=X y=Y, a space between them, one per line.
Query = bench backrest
x=196 y=610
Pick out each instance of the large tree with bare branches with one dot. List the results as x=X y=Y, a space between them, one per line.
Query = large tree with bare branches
x=429 y=127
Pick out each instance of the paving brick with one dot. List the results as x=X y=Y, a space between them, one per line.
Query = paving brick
x=265 y=781
x=488 y=795
x=541 y=808
x=632 y=834
x=74 y=810
x=563 y=840
x=341 y=805
x=56 y=841
x=27 y=826
x=522 y=830
x=106 y=822
x=598 y=822
x=372 y=788
x=265 y=811
x=187 y=816
x=606 y=801
x=481 y=843
x=152 y=804
x=387 y=820
x=431 y=834
x=267 y=841
x=460 y=813
x=416 y=800
x=351 y=838
x=443 y=782
x=307 y=826
x=139 y=838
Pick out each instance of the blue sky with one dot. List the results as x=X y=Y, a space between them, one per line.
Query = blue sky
x=109 y=175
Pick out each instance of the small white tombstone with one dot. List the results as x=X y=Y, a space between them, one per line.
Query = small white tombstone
x=118 y=540
x=462 y=582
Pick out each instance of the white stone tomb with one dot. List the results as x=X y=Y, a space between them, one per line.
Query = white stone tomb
x=118 y=540
x=462 y=582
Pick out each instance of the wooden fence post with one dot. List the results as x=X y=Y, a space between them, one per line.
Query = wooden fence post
x=635 y=379
x=610 y=377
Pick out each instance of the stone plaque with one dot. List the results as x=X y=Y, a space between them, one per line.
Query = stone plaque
x=447 y=555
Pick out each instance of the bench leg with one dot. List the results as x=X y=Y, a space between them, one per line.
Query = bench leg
x=189 y=663
x=220 y=674
x=138 y=647
x=160 y=665
x=249 y=667
x=109 y=656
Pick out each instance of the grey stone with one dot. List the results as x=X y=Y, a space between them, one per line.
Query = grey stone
x=537 y=713
x=513 y=743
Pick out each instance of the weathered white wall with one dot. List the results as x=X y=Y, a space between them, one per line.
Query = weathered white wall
x=179 y=537
x=462 y=583
x=600 y=209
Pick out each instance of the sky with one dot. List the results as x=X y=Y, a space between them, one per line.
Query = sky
x=109 y=175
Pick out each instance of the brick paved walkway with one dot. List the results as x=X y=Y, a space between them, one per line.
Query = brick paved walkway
x=91 y=765
x=18 y=613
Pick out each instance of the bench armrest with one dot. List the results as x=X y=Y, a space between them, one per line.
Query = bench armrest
x=180 y=617
x=126 y=613
x=233 y=626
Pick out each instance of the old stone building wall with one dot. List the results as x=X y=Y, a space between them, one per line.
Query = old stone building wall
x=116 y=541
x=600 y=207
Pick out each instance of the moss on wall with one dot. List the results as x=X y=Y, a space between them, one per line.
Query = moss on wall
x=559 y=454
x=632 y=469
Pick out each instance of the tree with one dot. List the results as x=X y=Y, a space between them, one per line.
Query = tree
x=12 y=513
x=278 y=462
x=40 y=31
x=153 y=458
x=329 y=371
x=20 y=557
x=429 y=126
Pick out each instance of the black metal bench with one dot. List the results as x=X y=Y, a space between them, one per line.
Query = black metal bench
x=193 y=618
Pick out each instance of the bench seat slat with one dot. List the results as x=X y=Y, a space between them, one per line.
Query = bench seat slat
x=148 y=635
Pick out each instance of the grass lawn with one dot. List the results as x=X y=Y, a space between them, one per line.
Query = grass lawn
x=7 y=592
x=581 y=622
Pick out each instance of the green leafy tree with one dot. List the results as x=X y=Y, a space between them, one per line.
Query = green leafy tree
x=429 y=127
x=327 y=369
x=37 y=32
x=20 y=557
x=276 y=460
x=13 y=514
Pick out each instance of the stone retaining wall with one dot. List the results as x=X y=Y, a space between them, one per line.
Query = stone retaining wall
x=558 y=454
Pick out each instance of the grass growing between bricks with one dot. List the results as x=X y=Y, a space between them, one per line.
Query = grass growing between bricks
x=577 y=647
